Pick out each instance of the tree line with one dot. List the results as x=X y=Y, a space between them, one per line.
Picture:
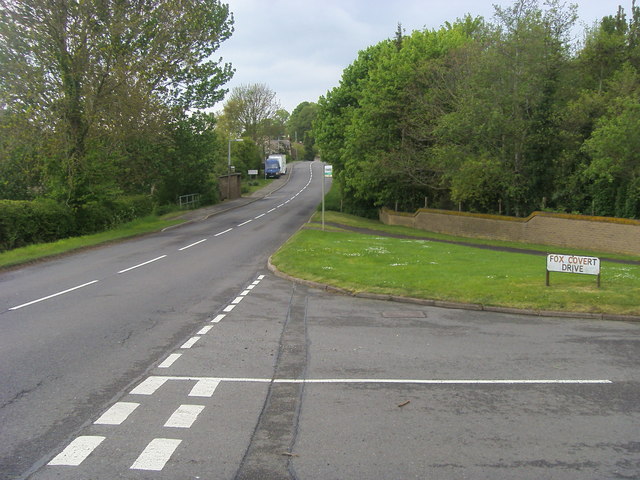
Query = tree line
x=505 y=116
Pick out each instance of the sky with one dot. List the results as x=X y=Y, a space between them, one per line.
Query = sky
x=299 y=48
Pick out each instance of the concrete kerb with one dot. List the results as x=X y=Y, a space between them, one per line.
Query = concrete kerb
x=452 y=305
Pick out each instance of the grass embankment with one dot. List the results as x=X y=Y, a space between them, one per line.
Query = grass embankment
x=440 y=271
x=137 y=227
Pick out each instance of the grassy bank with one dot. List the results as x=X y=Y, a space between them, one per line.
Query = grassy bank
x=433 y=270
x=32 y=253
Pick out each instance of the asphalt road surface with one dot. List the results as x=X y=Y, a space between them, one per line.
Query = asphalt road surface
x=179 y=356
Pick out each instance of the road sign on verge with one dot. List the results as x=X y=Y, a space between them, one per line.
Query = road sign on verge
x=573 y=264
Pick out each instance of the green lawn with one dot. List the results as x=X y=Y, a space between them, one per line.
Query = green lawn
x=434 y=270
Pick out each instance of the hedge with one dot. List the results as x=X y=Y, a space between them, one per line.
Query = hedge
x=28 y=222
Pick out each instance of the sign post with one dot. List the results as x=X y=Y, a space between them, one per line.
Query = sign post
x=328 y=173
x=573 y=264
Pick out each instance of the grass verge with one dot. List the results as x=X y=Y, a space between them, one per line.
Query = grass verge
x=432 y=270
x=32 y=253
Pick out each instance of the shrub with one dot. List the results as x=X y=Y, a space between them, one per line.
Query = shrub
x=27 y=222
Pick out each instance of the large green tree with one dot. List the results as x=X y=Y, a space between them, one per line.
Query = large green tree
x=90 y=73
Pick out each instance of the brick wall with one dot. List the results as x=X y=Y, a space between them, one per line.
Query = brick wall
x=617 y=235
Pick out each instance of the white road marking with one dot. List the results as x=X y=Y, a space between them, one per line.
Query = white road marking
x=244 y=223
x=222 y=233
x=228 y=308
x=218 y=318
x=117 y=414
x=261 y=215
x=204 y=387
x=260 y=277
x=77 y=451
x=156 y=454
x=142 y=264
x=190 y=343
x=170 y=360
x=245 y=293
x=272 y=210
x=204 y=330
x=54 y=295
x=237 y=300
x=149 y=386
x=192 y=245
x=184 y=416
x=251 y=287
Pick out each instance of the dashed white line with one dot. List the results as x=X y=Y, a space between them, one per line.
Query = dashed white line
x=192 y=245
x=272 y=210
x=223 y=232
x=204 y=387
x=117 y=414
x=244 y=223
x=228 y=308
x=184 y=416
x=142 y=264
x=218 y=318
x=237 y=300
x=170 y=360
x=190 y=343
x=204 y=330
x=149 y=386
x=156 y=454
x=245 y=292
x=259 y=216
x=77 y=451
x=54 y=295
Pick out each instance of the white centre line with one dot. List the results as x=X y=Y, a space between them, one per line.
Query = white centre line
x=204 y=387
x=222 y=233
x=184 y=416
x=244 y=223
x=77 y=451
x=204 y=330
x=192 y=245
x=170 y=360
x=143 y=264
x=54 y=295
x=190 y=343
x=117 y=414
x=149 y=386
x=261 y=215
x=156 y=454
x=272 y=210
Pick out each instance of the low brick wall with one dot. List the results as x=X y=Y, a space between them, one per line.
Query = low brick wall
x=617 y=235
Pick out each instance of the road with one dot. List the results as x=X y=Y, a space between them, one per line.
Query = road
x=202 y=364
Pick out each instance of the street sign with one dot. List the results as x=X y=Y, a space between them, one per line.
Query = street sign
x=328 y=171
x=573 y=264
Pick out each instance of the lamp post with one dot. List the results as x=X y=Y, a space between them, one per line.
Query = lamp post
x=229 y=165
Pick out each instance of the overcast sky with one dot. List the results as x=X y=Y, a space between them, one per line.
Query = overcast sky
x=299 y=48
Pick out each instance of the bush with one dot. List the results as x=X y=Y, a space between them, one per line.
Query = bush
x=95 y=217
x=27 y=222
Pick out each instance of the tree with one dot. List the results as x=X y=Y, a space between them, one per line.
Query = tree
x=72 y=65
x=300 y=126
x=248 y=108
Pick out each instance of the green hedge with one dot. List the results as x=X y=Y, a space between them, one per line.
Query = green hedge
x=26 y=222
x=40 y=221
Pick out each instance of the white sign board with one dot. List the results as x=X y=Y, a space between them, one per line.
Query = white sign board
x=253 y=172
x=573 y=264
x=328 y=171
